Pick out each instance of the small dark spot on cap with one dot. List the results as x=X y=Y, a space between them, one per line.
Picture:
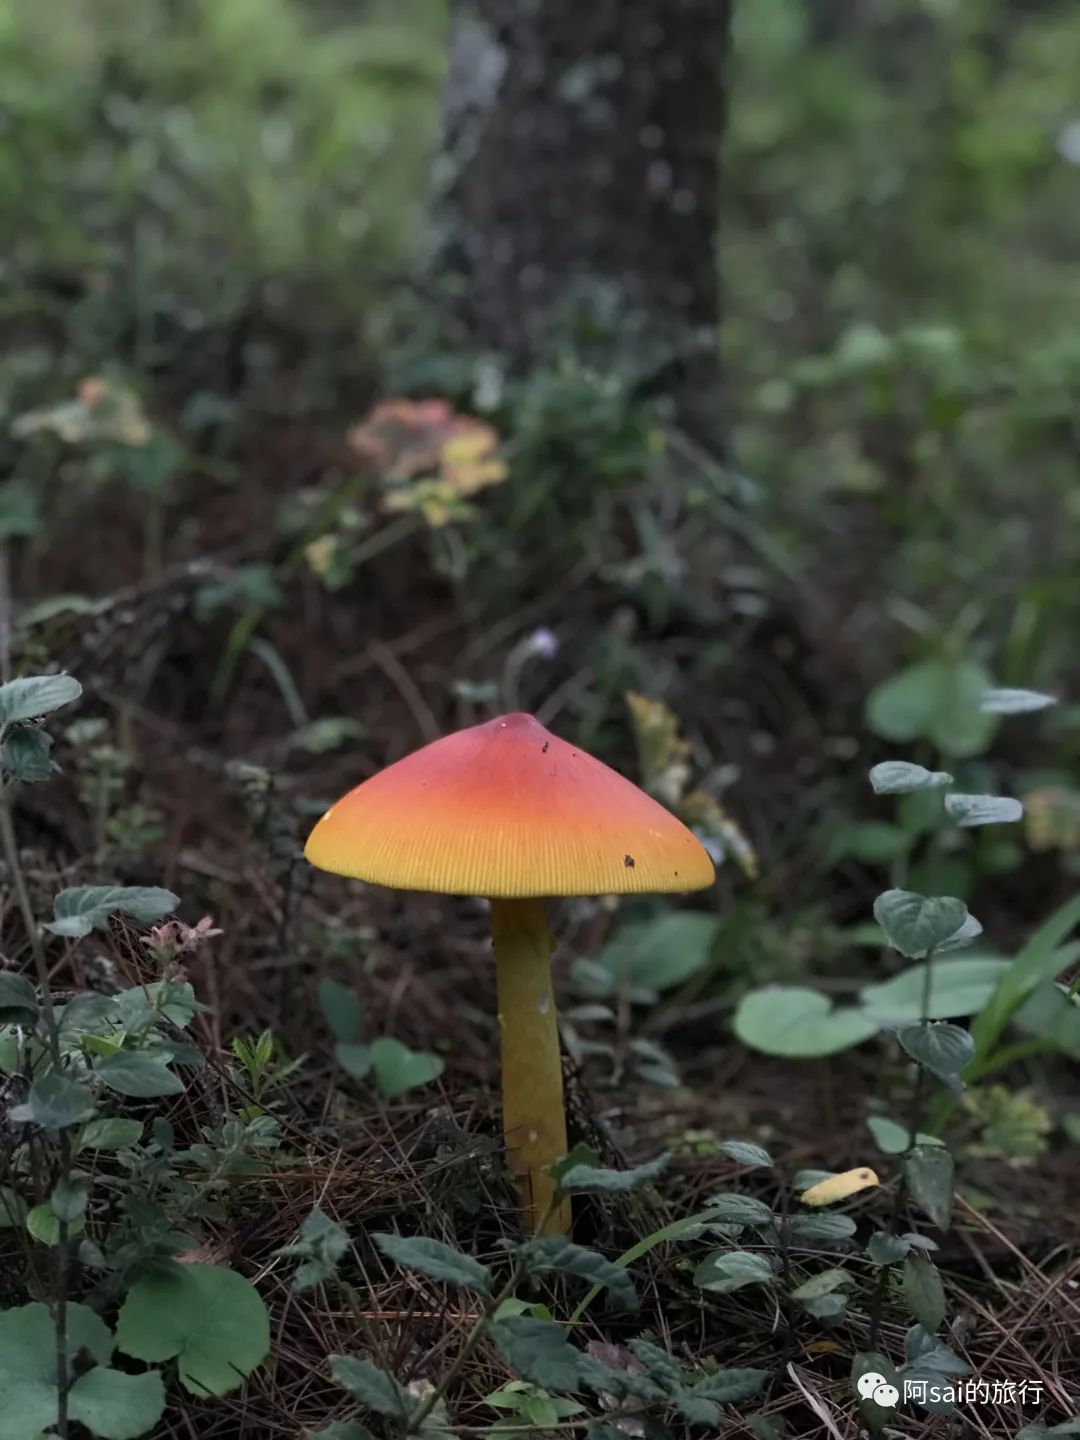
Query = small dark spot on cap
x=628 y=861
x=545 y=749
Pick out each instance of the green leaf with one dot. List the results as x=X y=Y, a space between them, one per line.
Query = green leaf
x=807 y=1179
x=355 y=1060
x=581 y=1154
x=321 y=1244
x=928 y=1174
x=893 y=1139
x=765 y=1427
x=44 y=1225
x=695 y=1408
x=142 y=1005
x=36 y=695
x=1052 y=1013
x=18 y=1000
x=342 y=1010
x=110 y=1133
x=117 y=1406
x=87 y=1015
x=885 y=1249
x=12 y=1208
x=1014 y=702
x=661 y=953
x=343 y=1430
x=1040 y=959
x=957 y=987
x=731 y=1386
x=926 y=1355
x=110 y=1404
x=812 y=1229
x=88 y=907
x=875 y=842
x=436 y=1260
x=794 y=1022
x=139 y=1073
x=898 y=777
x=554 y=1253
x=27 y=755
x=942 y=1049
x=728 y=1209
x=823 y=1283
x=663 y=1369
x=747 y=1154
x=54 y=1103
x=914 y=924
x=538 y=1351
x=923 y=1291
x=969 y=810
x=373 y=1387
x=397 y=1068
x=209 y=1319
x=727 y=1270
x=597 y=1177
x=69 y=1199
x=936 y=700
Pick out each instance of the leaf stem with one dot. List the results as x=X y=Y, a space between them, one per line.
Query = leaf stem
x=10 y=846
x=915 y=1124
x=438 y=1392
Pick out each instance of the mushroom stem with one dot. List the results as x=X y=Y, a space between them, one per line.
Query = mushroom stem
x=534 y=1125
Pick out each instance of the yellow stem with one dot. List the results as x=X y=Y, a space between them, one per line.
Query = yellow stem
x=534 y=1125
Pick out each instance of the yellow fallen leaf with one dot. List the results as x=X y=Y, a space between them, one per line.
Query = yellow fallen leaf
x=839 y=1187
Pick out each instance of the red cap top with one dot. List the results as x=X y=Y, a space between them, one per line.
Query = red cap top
x=506 y=809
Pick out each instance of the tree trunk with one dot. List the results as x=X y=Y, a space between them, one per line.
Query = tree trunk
x=580 y=170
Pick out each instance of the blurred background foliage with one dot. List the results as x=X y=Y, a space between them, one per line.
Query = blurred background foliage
x=212 y=231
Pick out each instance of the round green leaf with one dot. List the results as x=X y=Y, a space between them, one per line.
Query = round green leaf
x=112 y=1405
x=26 y=755
x=914 y=924
x=957 y=987
x=942 y=1049
x=795 y=1022
x=54 y=1102
x=937 y=700
x=117 y=1406
x=661 y=953
x=210 y=1319
x=397 y=1068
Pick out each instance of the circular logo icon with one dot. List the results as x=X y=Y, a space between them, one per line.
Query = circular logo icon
x=870 y=1382
x=873 y=1386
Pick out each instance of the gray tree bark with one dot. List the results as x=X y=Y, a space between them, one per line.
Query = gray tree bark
x=580 y=166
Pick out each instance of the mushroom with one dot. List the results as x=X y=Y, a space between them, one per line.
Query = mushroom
x=508 y=811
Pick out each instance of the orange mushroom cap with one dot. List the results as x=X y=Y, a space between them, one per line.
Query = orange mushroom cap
x=507 y=810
